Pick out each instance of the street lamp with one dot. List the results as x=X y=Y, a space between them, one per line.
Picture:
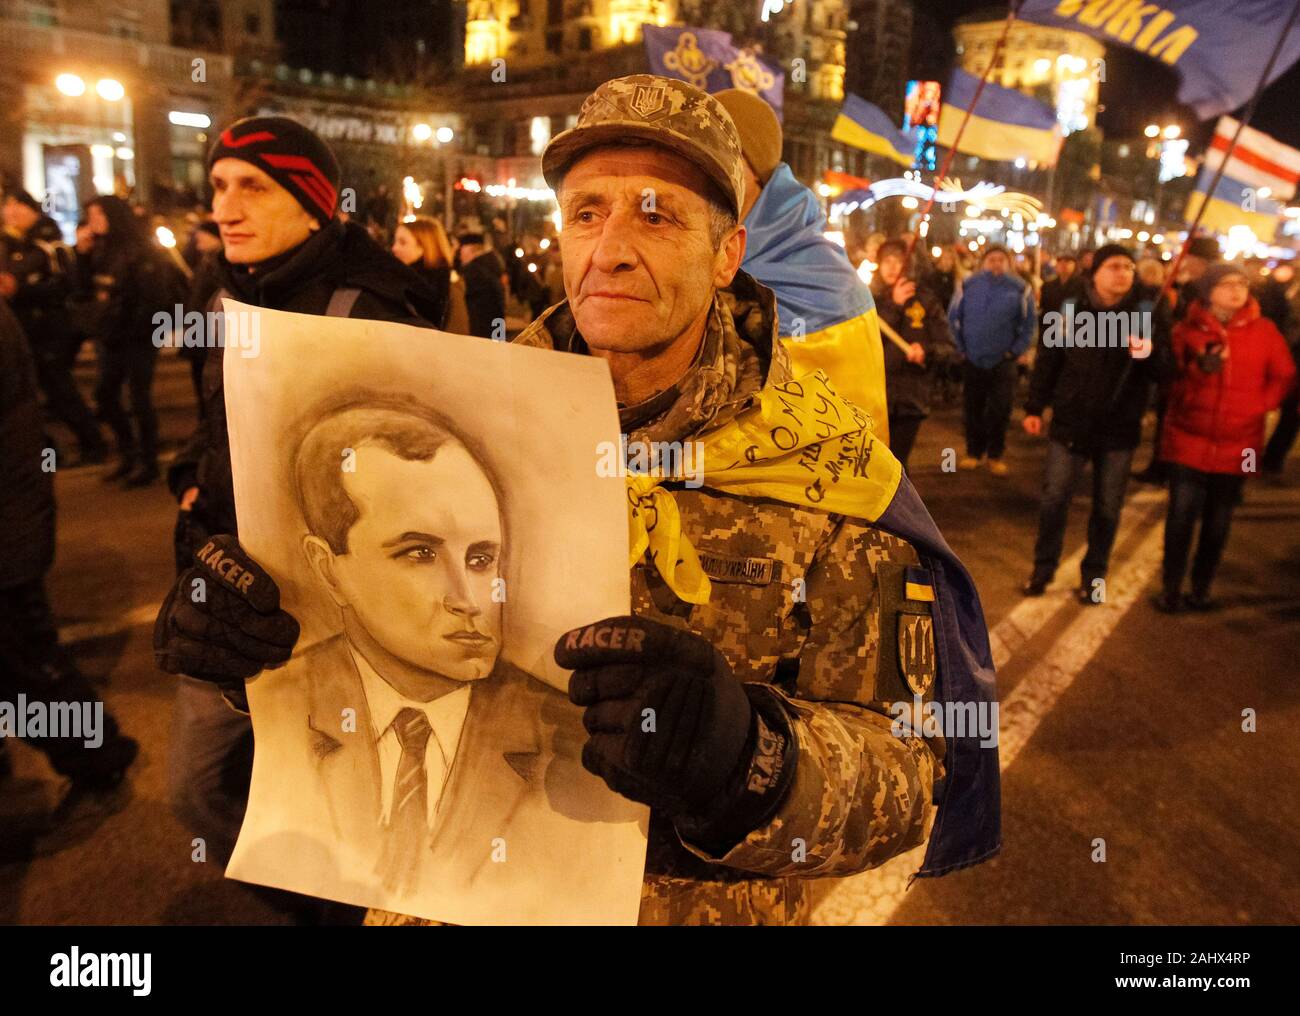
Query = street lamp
x=422 y=132
x=1152 y=131
x=444 y=135
x=1172 y=132
x=109 y=89
x=70 y=84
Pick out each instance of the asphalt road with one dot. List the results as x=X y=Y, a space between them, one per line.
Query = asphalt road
x=1120 y=726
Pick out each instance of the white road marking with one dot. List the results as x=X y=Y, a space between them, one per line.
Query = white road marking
x=85 y=630
x=872 y=897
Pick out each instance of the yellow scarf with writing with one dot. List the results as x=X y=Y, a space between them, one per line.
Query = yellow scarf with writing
x=798 y=442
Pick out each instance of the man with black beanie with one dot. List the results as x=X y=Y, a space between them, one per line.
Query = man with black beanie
x=1097 y=359
x=275 y=193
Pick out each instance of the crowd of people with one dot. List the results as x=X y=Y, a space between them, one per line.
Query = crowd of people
x=1213 y=350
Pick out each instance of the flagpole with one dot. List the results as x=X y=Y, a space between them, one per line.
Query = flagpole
x=1012 y=8
x=1048 y=205
x=1232 y=146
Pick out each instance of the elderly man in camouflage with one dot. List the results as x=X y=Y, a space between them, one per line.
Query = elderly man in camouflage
x=783 y=608
x=770 y=759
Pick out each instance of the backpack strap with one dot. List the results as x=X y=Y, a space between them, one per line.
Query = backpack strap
x=341 y=302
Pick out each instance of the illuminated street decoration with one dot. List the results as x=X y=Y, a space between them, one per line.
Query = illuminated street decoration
x=510 y=189
x=988 y=196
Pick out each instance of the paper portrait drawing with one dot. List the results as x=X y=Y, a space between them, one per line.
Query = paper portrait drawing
x=430 y=508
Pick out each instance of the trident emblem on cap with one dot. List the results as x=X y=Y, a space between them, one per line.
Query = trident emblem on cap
x=647 y=100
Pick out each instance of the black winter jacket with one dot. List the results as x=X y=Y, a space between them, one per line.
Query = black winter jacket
x=485 y=297
x=338 y=257
x=922 y=319
x=1098 y=395
x=26 y=486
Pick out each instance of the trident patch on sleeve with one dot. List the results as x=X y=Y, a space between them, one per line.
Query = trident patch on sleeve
x=907 y=664
x=916 y=651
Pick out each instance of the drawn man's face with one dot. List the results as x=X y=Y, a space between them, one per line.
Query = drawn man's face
x=422 y=557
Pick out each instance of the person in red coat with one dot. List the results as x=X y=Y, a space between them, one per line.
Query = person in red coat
x=1233 y=368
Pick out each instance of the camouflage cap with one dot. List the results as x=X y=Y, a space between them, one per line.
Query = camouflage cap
x=661 y=111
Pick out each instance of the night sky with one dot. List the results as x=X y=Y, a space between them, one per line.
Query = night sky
x=1137 y=91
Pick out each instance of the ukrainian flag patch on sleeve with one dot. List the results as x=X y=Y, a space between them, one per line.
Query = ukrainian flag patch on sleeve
x=918 y=585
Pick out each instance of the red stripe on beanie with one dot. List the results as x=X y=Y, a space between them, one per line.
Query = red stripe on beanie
x=314 y=190
x=313 y=182
x=310 y=178
x=230 y=141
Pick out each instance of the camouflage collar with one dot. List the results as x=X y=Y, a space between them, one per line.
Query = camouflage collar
x=739 y=354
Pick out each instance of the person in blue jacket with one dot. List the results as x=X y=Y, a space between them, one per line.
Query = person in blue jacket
x=993 y=319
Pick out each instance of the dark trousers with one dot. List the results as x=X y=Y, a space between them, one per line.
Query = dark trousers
x=988 y=395
x=1210 y=497
x=55 y=353
x=1157 y=468
x=1288 y=426
x=33 y=664
x=129 y=364
x=902 y=435
x=1060 y=474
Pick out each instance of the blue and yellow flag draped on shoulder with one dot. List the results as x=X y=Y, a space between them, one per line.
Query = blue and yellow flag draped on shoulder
x=802 y=443
x=827 y=319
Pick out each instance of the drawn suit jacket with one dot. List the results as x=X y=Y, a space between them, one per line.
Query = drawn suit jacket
x=518 y=760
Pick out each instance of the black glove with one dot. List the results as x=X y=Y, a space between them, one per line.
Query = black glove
x=673 y=728
x=222 y=620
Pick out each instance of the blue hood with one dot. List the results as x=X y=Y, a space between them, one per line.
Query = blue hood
x=786 y=252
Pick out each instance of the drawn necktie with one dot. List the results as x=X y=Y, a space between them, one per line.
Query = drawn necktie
x=408 y=825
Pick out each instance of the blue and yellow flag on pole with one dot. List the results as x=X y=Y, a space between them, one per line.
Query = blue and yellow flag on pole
x=868 y=127
x=1005 y=125
x=1214 y=46
x=1233 y=203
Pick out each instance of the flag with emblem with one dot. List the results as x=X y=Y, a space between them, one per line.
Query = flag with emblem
x=1214 y=46
x=709 y=60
